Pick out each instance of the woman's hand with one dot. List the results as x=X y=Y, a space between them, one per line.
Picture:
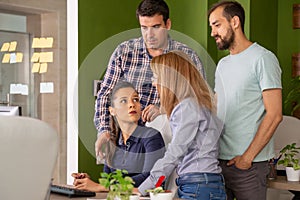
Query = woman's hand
x=80 y=175
x=88 y=185
x=150 y=113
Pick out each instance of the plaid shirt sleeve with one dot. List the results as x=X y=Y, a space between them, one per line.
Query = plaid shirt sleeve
x=112 y=75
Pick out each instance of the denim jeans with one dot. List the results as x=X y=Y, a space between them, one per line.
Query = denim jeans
x=201 y=186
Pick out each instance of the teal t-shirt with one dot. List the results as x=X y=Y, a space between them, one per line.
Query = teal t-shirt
x=240 y=80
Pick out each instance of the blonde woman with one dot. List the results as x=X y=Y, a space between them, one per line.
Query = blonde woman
x=188 y=102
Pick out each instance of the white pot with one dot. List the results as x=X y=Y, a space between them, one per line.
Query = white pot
x=291 y=174
x=134 y=197
x=131 y=197
x=161 y=196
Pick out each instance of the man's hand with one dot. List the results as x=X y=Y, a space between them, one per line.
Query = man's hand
x=240 y=163
x=150 y=113
x=99 y=146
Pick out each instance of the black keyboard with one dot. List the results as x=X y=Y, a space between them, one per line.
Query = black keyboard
x=70 y=191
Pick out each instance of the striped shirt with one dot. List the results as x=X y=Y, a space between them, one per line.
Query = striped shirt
x=131 y=62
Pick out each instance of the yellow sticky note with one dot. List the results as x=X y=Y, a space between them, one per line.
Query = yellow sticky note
x=35 y=43
x=35 y=57
x=12 y=46
x=19 y=57
x=49 y=42
x=35 y=67
x=42 y=42
x=5 y=46
x=6 y=58
x=43 y=67
x=46 y=57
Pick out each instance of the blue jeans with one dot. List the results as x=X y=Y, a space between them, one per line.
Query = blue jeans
x=201 y=186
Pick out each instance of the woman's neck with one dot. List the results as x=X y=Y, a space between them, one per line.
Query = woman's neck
x=127 y=130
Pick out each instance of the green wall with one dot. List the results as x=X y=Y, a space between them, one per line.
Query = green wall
x=288 y=42
x=104 y=24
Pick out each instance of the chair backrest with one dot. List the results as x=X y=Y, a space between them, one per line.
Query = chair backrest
x=287 y=132
x=28 y=152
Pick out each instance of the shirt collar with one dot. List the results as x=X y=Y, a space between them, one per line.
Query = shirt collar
x=132 y=138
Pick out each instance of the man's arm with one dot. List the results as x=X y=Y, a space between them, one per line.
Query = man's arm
x=101 y=117
x=272 y=99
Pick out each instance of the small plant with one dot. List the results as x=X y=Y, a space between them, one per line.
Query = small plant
x=119 y=185
x=289 y=159
x=156 y=190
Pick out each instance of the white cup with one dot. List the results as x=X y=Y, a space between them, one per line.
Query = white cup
x=161 y=196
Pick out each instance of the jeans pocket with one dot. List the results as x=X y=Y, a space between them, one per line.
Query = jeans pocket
x=217 y=195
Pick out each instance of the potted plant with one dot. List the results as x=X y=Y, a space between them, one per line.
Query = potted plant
x=119 y=185
x=159 y=193
x=292 y=101
x=290 y=161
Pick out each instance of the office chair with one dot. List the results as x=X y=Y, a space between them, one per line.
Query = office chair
x=28 y=152
x=287 y=132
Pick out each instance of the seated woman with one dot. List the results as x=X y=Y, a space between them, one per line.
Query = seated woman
x=132 y=147
x=188 y=102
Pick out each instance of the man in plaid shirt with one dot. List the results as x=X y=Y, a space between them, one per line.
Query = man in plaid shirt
x=131 y=62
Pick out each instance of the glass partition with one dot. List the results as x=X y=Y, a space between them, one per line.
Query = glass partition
x=16 y=80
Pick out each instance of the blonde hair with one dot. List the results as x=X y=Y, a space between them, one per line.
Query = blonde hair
x=178 y=79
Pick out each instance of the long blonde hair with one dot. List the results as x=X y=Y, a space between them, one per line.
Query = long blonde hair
x=178 y=79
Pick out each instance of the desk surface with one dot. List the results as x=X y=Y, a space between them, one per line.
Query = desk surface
x=281 y=183
x=54 y=196
x=98 y=196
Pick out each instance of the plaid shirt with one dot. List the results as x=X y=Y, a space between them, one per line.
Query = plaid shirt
x=131 y=62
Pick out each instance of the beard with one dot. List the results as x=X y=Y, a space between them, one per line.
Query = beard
x=227 y=41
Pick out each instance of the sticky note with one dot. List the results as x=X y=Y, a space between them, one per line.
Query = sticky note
x=46 y=57
x=43 y=67
x=19 y=57
x=47 y=87
x=35 y=67
x=12 y=46
x=49 y=43
x=5 y=46
x=13 y=58
x=35 y=57
x=6 y=58
x=23 y=89
x=35 y=42
x=13 y=89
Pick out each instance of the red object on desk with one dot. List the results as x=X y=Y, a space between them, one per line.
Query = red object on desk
x=160 y=181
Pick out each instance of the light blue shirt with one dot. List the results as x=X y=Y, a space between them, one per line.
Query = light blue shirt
x=194 y=145
x=240 y=80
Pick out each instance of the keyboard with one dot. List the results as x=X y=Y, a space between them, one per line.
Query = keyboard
x=70 y=191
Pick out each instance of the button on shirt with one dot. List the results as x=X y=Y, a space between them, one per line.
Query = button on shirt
x=131 y=62
x=142 y=149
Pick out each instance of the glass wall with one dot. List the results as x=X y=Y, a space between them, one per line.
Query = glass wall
x=16 y=80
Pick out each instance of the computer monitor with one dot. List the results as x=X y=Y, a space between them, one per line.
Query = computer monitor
x=10 y=110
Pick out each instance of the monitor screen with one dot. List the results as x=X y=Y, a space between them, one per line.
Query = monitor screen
x=10 y=110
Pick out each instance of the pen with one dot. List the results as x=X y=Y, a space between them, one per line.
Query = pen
x=160 y=181
x=277 y=159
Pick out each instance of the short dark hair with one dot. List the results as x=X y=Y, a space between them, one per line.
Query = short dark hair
x=150 y=8
x=230 y=9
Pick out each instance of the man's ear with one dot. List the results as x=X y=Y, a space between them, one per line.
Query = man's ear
x=112 y=111
x=235 y=22
x=168 y=24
